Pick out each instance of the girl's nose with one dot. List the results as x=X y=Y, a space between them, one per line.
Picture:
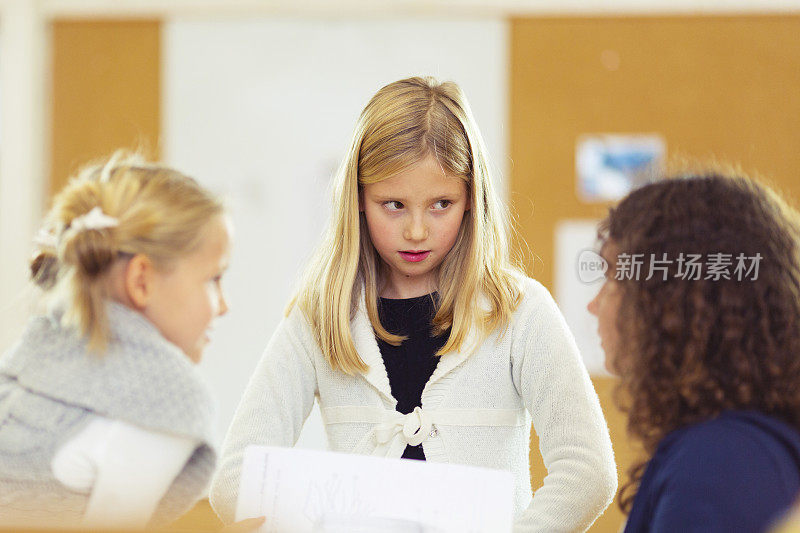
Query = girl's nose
x=416 y=230
x=592 y=306
x=223 y=304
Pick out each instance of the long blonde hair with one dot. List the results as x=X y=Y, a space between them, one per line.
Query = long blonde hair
x=159 y=212
x=401 y=125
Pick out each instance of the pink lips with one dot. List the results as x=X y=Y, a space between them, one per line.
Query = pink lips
x=415 y=256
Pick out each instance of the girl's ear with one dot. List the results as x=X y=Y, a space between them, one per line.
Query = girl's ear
x=139 y=279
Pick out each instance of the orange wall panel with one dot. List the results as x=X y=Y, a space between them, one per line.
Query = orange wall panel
x=106 y=91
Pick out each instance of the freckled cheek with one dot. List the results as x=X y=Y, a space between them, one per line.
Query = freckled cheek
x=449 y=232
x=383 y=234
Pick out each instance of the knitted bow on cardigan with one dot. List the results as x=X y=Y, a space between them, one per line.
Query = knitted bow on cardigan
x=415 y=427
x=393 y=431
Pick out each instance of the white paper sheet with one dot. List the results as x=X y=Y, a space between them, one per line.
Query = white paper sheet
x=305 y=491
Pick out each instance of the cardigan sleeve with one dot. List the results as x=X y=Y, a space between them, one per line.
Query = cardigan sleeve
x=273 y=409
x=573 y=436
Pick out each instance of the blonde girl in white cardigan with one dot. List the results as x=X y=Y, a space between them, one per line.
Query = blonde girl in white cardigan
x=415 y=214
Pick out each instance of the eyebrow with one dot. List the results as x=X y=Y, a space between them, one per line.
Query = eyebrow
x=431 y=199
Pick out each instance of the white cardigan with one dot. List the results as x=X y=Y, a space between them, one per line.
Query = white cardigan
x=473 y=412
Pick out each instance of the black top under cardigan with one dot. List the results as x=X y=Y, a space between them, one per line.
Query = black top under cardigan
x=410 y=365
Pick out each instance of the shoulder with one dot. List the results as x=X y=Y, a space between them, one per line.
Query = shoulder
x=295 y=320
x=293 y=339
x=531 y=289
x=297 y=325
x=539 y=332
x=727 y=471
x=536 y=306
x=730 y=447
x=732 y=432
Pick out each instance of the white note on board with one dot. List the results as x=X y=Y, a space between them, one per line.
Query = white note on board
x=308 y=491
x=577 y=281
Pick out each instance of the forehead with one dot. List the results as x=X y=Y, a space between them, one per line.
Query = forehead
x=609 y=250
x=216 y=240
x=427 y=177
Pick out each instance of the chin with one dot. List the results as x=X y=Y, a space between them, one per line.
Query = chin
x=610 y=365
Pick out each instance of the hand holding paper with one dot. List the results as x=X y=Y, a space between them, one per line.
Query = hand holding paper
x=303 y=491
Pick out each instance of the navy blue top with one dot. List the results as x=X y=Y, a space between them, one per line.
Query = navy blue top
x=410 y=365
x=737 y=472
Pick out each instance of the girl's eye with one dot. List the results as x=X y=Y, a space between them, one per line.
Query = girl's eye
x=442 y=204
x=393 y=205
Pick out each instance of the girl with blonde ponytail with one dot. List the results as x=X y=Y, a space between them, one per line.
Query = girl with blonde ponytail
x=104 y=421
x=416 y=332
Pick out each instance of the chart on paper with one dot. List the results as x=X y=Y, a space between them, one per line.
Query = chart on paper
x=309 y=491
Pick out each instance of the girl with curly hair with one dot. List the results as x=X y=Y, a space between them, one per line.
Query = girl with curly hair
x=700 y=318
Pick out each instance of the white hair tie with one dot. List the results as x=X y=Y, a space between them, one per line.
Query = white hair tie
x=45 y=239
x=94 y=219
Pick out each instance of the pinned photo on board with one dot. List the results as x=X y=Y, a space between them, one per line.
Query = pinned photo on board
x=609 y=166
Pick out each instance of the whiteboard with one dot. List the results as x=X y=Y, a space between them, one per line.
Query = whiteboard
x=262 y=109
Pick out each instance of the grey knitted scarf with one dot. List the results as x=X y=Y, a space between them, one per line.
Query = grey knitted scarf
x=51 y=386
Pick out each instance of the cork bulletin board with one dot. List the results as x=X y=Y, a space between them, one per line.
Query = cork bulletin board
x=724 y=88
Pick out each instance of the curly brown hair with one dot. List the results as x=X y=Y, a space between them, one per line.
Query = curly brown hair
x=695 y=348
